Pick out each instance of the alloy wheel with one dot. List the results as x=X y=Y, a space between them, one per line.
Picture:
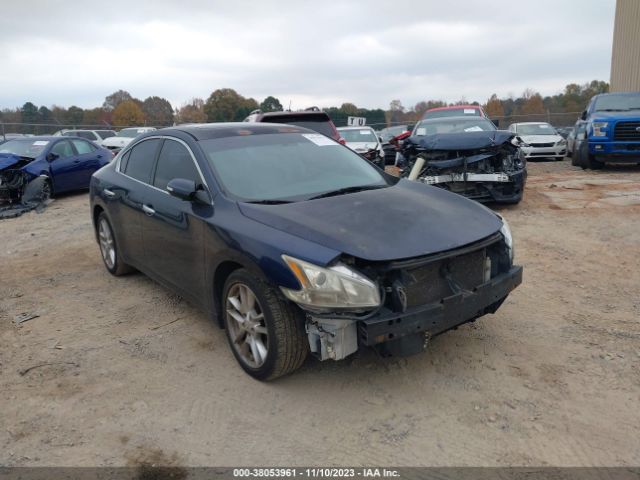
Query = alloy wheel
x=247 y=328
x=107 y=245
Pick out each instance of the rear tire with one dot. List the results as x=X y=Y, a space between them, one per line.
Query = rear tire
x=109 y=250
x=266 y=333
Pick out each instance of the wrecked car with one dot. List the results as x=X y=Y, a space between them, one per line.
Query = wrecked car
x=468 y=156
x=59 y=163
x=296 y=244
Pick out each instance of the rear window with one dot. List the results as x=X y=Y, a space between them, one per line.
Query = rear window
x=141 y=160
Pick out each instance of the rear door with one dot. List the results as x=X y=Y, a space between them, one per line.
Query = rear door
x=173 y=229
x=89 y=161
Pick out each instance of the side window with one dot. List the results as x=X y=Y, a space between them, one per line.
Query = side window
x=63 y=149
x=124 y=160
x=82 y=147
x=175 y=162
x=141 y=160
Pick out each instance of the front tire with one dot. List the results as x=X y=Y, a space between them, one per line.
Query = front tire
x=265 y=332
x=109 y=248
x=591 y=162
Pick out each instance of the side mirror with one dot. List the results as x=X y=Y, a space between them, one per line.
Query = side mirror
x=182 y=188
x=52 y=156
x=380 y=139
x=584 y=115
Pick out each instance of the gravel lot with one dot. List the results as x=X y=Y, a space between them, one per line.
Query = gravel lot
x=134 y=374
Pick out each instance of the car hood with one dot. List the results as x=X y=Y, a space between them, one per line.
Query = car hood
x=406 y=220
x=627 y=115
x=460 y=141
x=116 y=141
x=540 y=138
x=8 y=160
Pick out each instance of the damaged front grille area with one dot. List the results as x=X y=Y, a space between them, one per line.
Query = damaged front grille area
x=429 y=295
x=12 y=184
x=420 y=281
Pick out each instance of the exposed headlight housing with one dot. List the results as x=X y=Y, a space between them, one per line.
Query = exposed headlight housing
x=336 y=287
x=599 y=129
x=505 y=230
x=561 y=142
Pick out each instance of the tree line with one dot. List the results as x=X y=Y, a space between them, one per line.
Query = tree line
x=226 y=105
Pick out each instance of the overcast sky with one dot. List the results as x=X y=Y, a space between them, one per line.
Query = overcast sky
x=308 y=53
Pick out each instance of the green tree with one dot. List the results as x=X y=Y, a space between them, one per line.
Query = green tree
x=271 y=104
x=158 y=111
x=74 y=115
x=128 y=113
x=115 y=99
x=227 y=105
x=349 y=109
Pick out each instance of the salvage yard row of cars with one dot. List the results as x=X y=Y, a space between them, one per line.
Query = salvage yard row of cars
x=284 y=229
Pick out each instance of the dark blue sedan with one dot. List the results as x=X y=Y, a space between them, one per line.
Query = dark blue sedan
x=296 y=244
x=64 y=163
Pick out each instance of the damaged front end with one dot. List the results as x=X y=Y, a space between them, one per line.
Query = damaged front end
x=419 y=299
x=21 y=191
x=13 y=183
x=483 y=166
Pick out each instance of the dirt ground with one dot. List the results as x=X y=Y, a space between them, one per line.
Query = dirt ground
x=133 y=374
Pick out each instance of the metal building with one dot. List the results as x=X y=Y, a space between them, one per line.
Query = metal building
x=625 y=57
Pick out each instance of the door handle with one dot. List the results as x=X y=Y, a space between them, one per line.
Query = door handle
x=108 y=193
x=148 y=210
x=76 y=161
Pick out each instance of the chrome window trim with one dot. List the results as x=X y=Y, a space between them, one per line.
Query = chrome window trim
x=129 y=147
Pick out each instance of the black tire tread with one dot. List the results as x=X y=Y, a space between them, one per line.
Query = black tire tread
x=120 y=267
x=287 y=322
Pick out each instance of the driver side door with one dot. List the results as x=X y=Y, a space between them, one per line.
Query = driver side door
x=63 y=165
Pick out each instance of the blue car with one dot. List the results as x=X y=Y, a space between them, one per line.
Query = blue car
x=60 y=164
x=295 y=244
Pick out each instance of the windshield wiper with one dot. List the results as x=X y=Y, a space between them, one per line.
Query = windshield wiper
x=273 y=201
x=344 y=191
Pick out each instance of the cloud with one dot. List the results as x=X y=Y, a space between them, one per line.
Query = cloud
x=325 y=53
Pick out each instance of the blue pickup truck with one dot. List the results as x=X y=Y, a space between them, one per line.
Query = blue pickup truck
x=609 y=131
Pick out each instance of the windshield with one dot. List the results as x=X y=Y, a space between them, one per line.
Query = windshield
x=130 y=132
x=535 y=129
x=453 y=125
x=617 y=103
x=24 y=148
x=358 y=135
x=286 y=166
x=452 y=112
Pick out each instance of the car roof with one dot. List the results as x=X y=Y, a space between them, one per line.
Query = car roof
x=207 y=131
x=42 y=137
x=454 y=107
x=303 y=113
x=453 y=117
x=355 y=128
x=532 y=123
